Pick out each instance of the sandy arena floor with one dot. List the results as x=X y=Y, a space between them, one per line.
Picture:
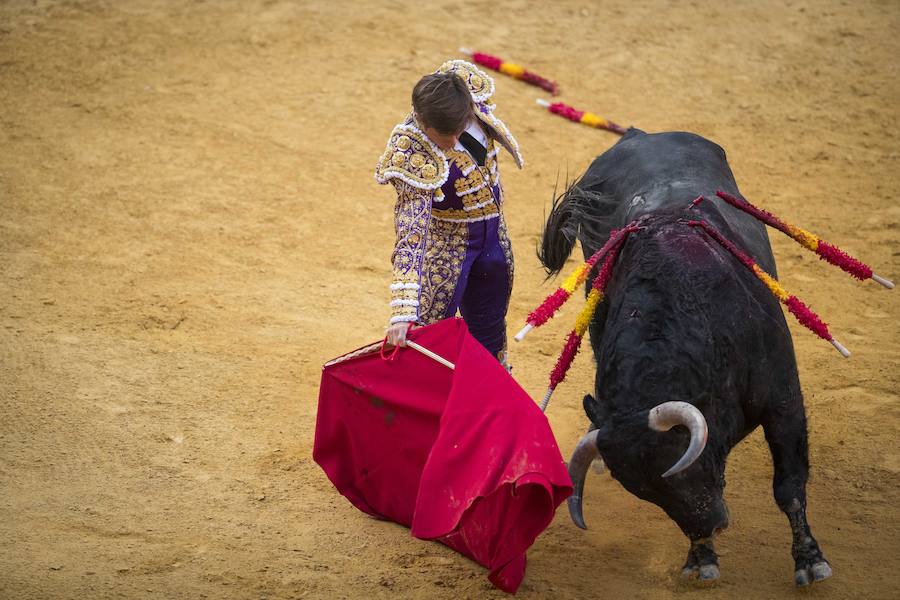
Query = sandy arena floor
x=189 y=228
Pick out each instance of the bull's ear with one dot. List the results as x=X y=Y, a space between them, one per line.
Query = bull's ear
x=596 y=411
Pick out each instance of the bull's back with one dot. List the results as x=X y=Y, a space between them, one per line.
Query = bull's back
x=662 y=173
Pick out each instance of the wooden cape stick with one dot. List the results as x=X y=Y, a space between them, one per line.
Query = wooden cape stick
x=372 y=348
x=431 y=355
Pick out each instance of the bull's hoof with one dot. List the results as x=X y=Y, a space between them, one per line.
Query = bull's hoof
x=817 y=572
x=821 y=571
x=704 y=577
x=703 y=574
x=709 y=573
x=702 y=562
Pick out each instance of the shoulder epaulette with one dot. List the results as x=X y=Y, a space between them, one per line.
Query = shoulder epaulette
x=413 y=158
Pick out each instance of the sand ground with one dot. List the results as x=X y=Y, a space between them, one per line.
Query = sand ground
x=189 y=228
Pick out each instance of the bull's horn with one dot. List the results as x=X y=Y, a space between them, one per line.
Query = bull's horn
x=585 y=452
x=669 y=414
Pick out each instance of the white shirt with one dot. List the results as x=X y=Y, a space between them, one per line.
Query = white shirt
x=475 y=130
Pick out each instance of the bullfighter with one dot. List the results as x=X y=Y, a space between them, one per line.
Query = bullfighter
x=452 y=249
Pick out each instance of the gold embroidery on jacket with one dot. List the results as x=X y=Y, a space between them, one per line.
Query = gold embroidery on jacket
x=441 y=268
x=411 y=216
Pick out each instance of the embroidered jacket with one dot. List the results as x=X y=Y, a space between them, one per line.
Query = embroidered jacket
x=438 y=193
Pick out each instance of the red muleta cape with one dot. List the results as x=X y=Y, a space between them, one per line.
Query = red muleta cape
x=463 y=456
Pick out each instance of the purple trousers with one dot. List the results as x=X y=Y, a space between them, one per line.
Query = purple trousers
x=485 y=284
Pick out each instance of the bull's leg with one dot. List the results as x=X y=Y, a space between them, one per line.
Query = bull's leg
x=702 y=560
x=701 y=522
x=786 y=435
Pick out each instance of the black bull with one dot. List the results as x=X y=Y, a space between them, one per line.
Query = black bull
x=683 y=320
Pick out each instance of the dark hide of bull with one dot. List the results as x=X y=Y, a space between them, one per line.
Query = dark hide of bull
x=684 y=320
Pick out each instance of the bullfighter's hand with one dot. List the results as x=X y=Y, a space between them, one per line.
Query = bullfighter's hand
x=396 y=334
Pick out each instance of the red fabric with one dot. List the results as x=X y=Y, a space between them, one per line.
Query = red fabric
x=566 y=111
x=841 y=259
x=541 y=82
x=548 y=307
x=491 y=62
x=570 y=349
x=461 y=456
x=758 y=213
x=808 y=318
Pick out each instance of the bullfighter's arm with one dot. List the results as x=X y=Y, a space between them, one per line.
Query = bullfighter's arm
x=416 y=168
x=412 y=214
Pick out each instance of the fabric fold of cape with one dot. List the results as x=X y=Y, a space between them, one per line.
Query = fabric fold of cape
x=463 y=456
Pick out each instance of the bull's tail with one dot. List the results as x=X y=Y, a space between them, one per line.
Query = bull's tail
x=560 y=233
x=578 y=213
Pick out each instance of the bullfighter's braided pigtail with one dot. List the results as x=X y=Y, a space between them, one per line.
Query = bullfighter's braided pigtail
x=810 y=241
x=807 y=317
x=575 y=280
x=573 y=340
